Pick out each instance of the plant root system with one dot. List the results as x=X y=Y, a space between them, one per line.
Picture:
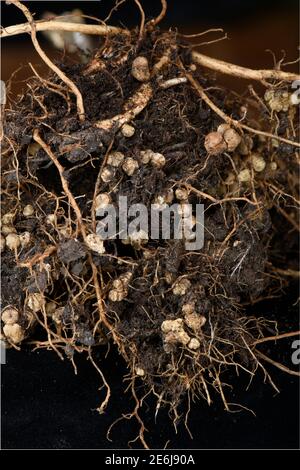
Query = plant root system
x=145 y=118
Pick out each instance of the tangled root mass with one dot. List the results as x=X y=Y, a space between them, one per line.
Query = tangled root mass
x=177 y=317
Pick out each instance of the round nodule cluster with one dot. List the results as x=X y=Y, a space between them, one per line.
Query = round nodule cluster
x=120 y=288
x=36 y=302
x=13 y=332
x=174 y=334
x=278 y=100
x=115 y=159
x=181 y=287
x=156 y=159
x=95 y=243
x=9 y=236
x=222 y=140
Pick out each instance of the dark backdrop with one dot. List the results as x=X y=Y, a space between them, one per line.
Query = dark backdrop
x=180 y=12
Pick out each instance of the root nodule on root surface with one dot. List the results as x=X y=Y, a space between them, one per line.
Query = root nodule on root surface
x=177 y=317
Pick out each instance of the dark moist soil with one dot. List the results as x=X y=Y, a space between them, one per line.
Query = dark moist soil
x=174 y=123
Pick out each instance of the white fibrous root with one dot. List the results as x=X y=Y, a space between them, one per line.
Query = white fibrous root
x=95 y=243
x=173 y=82
x=181 y=287
x=140 y=69
x=10 y=316
x=28 y=210
x=119 y=289
x=14 y=332
x=12 y=241
x=115 y=159
x=258 y=163
x=130 y=166
x=277 y=100
x=127 y=130
x=107 y=174
x=36 y=302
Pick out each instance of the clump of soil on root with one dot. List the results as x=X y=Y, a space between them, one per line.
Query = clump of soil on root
x=177 y=317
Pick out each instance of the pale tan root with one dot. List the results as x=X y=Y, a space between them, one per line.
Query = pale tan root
x=132 y=108
x=277 y=364
x=242 y=72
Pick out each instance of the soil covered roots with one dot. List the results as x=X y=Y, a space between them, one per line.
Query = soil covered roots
x=158 y=130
